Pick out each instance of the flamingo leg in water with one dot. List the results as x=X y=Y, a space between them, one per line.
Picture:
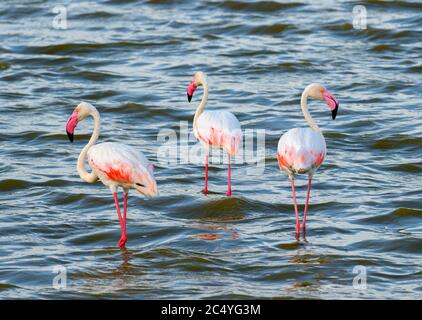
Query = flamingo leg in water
x=205 y=191
x=306 y=205
x=123 y=238
x=229 y=182
x=125 y=197
x=295 y=204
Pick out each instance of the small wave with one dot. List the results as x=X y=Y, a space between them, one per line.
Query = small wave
x=53 y=183
x=97 y=95
x=415 y=69
x=397 y=214
x=385 y=47
x=140 y=111
x=128 y=107
x=395 y=4
x=295 y=66
x=258 y=6
x=94 y=15
x=404 y=245
x=13 y=184
x=91 y=238
x=340 y=27
x=408 y=167
x=5 y=286
x=37 y=136
x=164 y=1
x=72 y=48
x=89 y=201
x=93 y=75
x=271 y=29
x=398 y=143
x=336 y=135
x=4 y=66
x=375 y=34
x=248 y=53
x=406 y=212
x=346 y=29
x=223 y=209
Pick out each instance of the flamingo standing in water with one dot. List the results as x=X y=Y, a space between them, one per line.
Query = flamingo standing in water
x=215 y=129
x=302 y=150
x=115 y=164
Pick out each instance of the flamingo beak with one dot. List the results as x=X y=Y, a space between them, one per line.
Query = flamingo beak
x=71 y=125
x=190 y=90
x=332 y=102
x=70 y=136
x=334 y=112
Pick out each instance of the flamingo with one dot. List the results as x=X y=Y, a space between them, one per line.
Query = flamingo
x=214 y=129
x=302 y=150
x=115 y=164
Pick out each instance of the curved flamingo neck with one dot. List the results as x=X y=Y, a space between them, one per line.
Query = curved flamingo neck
x=89 y=177
x=202 y=104
x=304 y=105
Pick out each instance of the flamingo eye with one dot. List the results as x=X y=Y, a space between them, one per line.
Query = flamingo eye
x=140 y=184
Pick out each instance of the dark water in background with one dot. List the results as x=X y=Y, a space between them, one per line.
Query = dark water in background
x=133 y=61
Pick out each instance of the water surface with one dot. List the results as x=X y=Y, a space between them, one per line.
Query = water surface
x=133 y=60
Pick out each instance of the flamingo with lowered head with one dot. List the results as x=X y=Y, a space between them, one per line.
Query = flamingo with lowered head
x=302 y=150
x=214 y=129
x=115 y=164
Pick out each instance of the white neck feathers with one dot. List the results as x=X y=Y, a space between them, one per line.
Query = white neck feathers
x=202 y=104
x=304 y=105
x=89 y=177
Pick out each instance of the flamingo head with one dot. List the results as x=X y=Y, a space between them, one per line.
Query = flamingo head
x=82 y=111
x=146 y=183
x=319 y=92
x=332 y=102
x=148 y=189
x=197 y=81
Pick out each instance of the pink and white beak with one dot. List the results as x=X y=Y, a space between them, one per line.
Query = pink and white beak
x=71 y=125
x=332 y=102
x=190 y=90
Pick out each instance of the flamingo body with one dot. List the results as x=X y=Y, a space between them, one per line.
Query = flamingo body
x=301 y=151
x=115 y=164
x=214 y=129
x=119 y=165
x=219 y=129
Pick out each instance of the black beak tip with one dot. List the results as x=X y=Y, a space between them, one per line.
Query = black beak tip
x=334 y=112
x=70 y=136
x=189 y=97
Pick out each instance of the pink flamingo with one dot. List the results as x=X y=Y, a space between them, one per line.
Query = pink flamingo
x=115 y=164
x=302 y=150
x=215 y=129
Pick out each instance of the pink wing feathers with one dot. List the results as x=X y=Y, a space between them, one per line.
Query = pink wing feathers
x=219 y=129
x=301 y=150
x=119 y=163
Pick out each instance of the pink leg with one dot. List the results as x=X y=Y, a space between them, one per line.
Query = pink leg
x=295 y=204
x=122 y=222
x=123 y=239
x=205 y=191
x=229 y=181
x=306 y=205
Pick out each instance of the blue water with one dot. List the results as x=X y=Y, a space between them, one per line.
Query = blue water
x=133 y=61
